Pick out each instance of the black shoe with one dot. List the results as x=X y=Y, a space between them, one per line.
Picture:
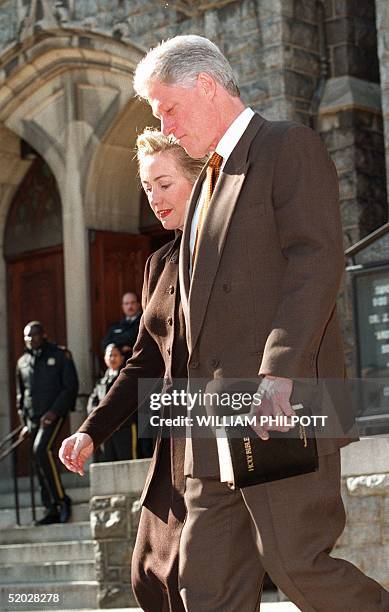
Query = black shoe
x=50 y=516
x=65 y=509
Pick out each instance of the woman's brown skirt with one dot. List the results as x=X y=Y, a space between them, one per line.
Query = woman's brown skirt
x=154 y=572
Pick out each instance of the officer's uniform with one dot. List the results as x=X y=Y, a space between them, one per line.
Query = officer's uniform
x=123 y=333
x=46 y=379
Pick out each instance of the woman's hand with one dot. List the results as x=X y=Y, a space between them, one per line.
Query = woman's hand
x=75 y=450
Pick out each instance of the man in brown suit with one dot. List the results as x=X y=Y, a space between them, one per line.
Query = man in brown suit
x=261 y=257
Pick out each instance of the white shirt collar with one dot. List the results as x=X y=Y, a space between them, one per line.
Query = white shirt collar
x=234 y=133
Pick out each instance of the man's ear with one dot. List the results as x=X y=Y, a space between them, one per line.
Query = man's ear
x=207 y=84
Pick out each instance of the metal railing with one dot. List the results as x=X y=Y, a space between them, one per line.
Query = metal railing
x=10 y=444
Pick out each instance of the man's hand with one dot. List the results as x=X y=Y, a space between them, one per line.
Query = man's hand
x=48 y=418
x=75 y=451
x=275 y=395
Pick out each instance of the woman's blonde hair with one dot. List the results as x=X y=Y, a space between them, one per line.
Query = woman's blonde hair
x=152 y=141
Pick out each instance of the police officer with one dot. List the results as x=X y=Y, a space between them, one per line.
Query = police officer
x=46 y=389
x=125 y=332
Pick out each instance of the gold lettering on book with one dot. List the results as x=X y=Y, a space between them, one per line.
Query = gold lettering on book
x=249 y=454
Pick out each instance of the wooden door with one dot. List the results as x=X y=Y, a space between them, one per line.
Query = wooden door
x=117 y=262
x=35 y=292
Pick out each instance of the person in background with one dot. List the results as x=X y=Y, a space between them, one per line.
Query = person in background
x=122 y=444
x=46 y=389
x=124 y=333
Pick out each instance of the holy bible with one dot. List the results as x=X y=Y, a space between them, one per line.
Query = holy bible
x=245 y=459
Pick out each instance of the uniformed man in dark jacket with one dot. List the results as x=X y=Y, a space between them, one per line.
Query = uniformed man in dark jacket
x=46 y=386
x=125 y=332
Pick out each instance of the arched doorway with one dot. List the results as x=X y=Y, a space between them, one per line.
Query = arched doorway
x=35 y=270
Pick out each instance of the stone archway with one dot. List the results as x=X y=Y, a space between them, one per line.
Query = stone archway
x=64 y=94
x=62 y=101
x=12 y=170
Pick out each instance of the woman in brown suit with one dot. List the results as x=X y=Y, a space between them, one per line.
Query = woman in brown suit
x=167 y=174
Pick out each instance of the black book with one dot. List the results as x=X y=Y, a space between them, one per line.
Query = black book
x=246 y=460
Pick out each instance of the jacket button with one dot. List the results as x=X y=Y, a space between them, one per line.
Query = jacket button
x=170 y=320
x=194 y=364
x=226 y=287
x=171 y=289
x=214 y=362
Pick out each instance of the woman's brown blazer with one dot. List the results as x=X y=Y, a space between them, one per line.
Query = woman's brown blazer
x=160 y=352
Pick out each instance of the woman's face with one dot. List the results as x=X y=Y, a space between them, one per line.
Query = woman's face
x=166 y=187
x=113 y=358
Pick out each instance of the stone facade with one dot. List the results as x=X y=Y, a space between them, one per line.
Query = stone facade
x=382 y=9
x=365 y=493
x=365 y=541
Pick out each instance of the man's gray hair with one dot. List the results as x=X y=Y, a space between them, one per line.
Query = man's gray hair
x=179 y=60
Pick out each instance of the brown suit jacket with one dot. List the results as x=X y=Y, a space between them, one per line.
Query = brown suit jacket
x=262 y=298
x=160 y=351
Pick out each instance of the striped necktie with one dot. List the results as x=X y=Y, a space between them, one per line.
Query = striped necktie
x=213 y=170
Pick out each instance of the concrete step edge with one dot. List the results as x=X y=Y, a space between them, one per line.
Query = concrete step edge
x=4 y=566
x=46 y=544
x=7 y=500
x=69 y=480
x=32 y=534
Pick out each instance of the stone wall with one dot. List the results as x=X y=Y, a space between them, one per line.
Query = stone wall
x=114 y=514
x=114 y=523
x=352 y=39
x=365 y=492
x=382 y=8
x=365 y=541
x=272 y=46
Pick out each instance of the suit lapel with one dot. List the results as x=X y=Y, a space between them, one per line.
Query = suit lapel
x=210 y=246
x=184 y=260
x=196 y=291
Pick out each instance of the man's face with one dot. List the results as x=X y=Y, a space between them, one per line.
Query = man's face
x=188 y=114
x=33 y=337
x=130 y=304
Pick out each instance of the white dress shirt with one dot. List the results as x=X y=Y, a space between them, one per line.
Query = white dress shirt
x=224 y=147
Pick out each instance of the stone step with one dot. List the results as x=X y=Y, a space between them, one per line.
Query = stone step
x=77 y=494
x=46 y=533
x=41 y=553
x=59 y=571
x=76 y=595
x=69 y=480
x=285 y=606
x=80 y=512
